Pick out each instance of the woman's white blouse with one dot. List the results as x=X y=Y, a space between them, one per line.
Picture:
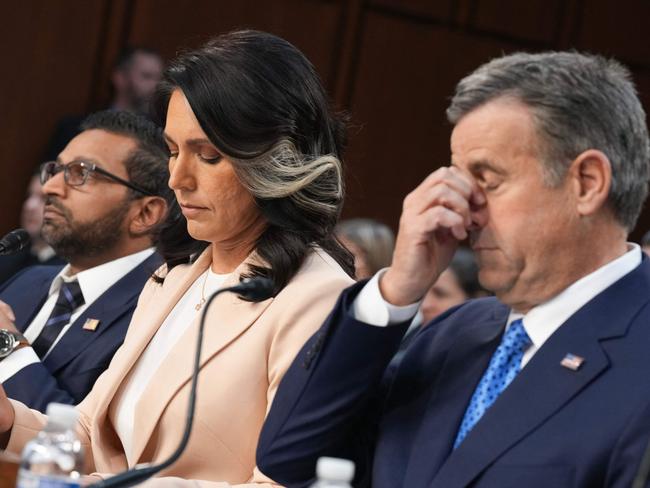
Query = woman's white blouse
x=169 y=333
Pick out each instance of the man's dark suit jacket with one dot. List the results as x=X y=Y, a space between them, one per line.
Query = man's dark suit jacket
x=69 y=372
x=10 y=265
x=552 y=427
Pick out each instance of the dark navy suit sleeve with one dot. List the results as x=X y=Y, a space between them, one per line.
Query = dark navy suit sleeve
x=69 y=371
x=625 y=460
x=10 y=265
x=40 y=383
x=35 y=386
x=327 y=401
x=20 y=277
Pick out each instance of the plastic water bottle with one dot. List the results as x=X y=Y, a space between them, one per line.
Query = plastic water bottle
x=333 y=473
x=54 y=459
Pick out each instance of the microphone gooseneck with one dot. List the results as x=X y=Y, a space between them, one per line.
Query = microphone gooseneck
x=255 y=289
x=14 y=242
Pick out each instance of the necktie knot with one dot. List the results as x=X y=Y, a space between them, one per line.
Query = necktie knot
x=515 y=340
x=70 y=296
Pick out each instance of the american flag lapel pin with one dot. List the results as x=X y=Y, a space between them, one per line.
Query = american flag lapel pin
x=91 y=324
x=572 y=362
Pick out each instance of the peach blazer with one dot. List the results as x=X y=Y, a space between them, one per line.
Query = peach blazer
x=247 y=348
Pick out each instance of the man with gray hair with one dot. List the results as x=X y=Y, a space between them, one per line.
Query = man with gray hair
x=543 y=385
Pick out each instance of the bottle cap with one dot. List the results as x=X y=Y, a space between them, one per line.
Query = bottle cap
x=334 y=469
x=64 y=415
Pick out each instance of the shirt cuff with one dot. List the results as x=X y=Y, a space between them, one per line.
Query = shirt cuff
x=370 y=307
x=16 y=361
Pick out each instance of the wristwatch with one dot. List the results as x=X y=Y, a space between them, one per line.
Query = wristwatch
x=9 y=341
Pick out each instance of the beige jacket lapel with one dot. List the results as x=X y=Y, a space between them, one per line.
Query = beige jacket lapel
x=228 y=317
x=147 y=320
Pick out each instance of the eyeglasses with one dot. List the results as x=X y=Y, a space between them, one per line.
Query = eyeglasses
x=76 y=174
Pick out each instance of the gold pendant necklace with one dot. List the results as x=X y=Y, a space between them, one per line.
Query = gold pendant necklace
x=198 y=306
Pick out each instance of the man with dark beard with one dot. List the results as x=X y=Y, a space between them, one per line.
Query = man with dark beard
x=106 y=197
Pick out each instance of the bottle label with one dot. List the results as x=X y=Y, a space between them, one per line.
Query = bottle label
x=27 y=479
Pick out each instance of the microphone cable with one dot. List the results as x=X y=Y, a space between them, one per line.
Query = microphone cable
x=256 y=289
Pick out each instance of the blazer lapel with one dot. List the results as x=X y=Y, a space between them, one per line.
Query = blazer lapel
x=544 y=386
x=143 y=327
x=463 y=367
x=25 y=310
x=109 y=307
x=227 y=318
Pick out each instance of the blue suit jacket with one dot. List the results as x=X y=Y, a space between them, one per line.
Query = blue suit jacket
x=70 y=370
x=552 y=427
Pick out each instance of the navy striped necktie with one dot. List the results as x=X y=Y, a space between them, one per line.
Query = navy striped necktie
x=70 y=298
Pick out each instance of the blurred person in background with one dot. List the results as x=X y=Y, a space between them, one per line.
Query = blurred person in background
x=31 y=219
x=370 y=242
x=456 y=284
x=135 y=75
x=105 y=198
x=255 y=164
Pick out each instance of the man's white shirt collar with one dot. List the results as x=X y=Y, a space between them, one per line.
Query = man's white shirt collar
x=95 y=281
x=543 y=320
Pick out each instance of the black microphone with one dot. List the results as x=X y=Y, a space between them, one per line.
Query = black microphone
x=14 y=242
x=255 y=289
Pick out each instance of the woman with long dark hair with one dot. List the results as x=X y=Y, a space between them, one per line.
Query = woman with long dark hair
x=255 y=163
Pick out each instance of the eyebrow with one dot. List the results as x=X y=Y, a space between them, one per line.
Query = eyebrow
x=482 y=165
x=198 y=141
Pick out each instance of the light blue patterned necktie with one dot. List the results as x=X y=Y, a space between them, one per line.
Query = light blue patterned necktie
x=503 y=367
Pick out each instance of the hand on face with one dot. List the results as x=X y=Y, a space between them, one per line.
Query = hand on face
x=435 y=217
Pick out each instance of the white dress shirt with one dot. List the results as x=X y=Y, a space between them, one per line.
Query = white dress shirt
x=93 y=283
x=540 y=322
x=170 y=332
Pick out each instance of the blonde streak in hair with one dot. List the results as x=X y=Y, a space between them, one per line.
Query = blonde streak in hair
x=282 y=172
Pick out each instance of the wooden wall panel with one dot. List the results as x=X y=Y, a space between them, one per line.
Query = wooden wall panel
x=439 y=10
x=618 y=29
x=642 y=81
x=48 y=51
x=313 y=26
x=531 y=21
x=114 y=37
x=393 y=63
x=405 y=75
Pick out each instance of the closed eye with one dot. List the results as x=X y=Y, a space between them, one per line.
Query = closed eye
x=491 y=186
x=210 y=160
x=488 y=180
